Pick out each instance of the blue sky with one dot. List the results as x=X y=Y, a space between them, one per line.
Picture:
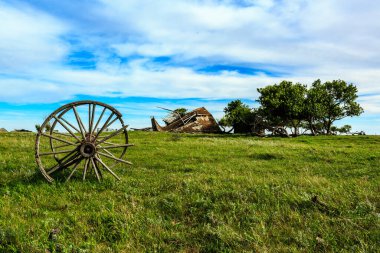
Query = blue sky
x=137 y=55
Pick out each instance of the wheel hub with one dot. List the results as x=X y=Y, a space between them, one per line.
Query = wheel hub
x=88 y=149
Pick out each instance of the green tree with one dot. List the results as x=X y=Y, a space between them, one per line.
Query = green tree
x=313 y=110
x=38 y=127
x=342 y=130
x=284 y=104
x=331 y=101
x=47 y=127
x=345 y=129
x=174 y=115
x=180 y=111
x=238 y=116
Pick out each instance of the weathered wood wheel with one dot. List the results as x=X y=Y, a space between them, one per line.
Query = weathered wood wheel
x=81 y=137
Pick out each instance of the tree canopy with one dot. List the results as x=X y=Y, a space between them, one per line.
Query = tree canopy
x=179 y=111
x=331 y=101
x=284 y=104
x=237 y=115
x=294 y=105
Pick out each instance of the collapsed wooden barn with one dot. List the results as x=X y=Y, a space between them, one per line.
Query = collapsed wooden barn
x=197 y=121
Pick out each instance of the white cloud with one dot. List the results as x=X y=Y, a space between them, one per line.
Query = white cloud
x=195 y=30
x=305 y=39
x=286 y=33
x=29 y=39
x=370 y=103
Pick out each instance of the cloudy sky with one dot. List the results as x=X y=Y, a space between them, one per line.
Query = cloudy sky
x=139 y=54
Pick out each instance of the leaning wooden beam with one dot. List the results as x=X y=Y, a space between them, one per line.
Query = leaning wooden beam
x=189 y=118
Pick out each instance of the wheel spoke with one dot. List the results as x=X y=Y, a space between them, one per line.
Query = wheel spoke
x=74 y=169
x=95 y=168
x=71 y=160
x=116 y=146
x=100 y=118
x=62 y=124
x=57 y=152
x=104 y=126
x=115 y=158
x=109 y=143
x=108 y=152
x=91 y=116
x=112 y=135
x=58 y=139
x=65 y=145
x=66 y=156
x=68 y=123
x=80 y=123
x=63 y=134
x=68 y=164
x=85 y=168
x=105 y=166
x=110 y=124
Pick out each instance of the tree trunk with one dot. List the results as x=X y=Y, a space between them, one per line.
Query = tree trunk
x=328 y=127
x=311 y=126
x=295 y=132
x=312 y=130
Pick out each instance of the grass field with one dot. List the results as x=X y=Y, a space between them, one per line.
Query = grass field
x=200 y=193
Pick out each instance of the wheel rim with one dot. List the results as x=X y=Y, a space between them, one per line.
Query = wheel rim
x=81 y=136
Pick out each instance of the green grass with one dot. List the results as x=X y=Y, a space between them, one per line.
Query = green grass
x=200 y=193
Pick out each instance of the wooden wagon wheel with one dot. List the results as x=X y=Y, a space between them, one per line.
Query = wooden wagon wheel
x=79 y=137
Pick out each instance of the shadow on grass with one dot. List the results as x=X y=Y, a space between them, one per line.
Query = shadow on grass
x=37 y=179
x=233 y=136
x=266 y=157
x=32 y=179
x=314 y=204
x=222 y=135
